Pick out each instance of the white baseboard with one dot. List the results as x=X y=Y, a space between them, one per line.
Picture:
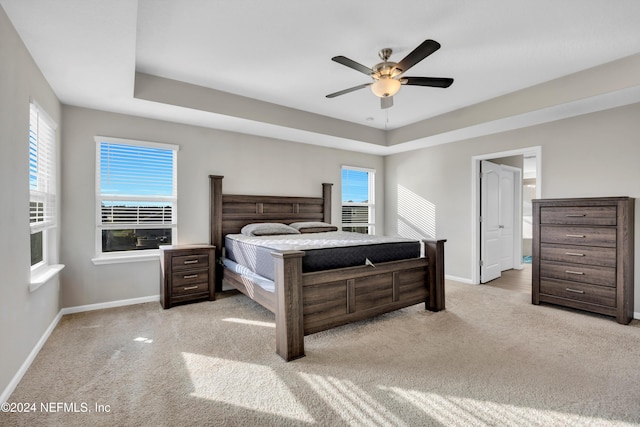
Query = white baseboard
x=110 y=304
x=68 y=310
x=27 y=363
x=636 y=315
x=458 y=279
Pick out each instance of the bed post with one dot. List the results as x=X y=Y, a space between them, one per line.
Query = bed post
x=215 y=225
x=434 y=251
x=289 y=322
x=326 y=199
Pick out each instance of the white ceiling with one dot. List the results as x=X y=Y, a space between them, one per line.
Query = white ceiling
x=279 y=52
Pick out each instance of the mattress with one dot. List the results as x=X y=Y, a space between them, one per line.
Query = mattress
x=264 y=283
x=323 y=251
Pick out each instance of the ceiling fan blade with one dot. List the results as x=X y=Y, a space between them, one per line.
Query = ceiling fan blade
x=418 y=54
x=428 y=81
x=352 y=64
x=351 y=89
x=386 y=102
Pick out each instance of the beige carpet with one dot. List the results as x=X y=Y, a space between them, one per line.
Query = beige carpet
x=491 y=358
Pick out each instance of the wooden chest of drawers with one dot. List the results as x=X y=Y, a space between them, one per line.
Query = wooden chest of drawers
x=186 y=274
x=583 y=254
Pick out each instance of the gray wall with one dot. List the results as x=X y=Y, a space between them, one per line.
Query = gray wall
x=24 y=315
x=250 y=165
x=585 y=156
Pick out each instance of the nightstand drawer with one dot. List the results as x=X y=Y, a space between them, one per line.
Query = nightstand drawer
x=589 y=255
x=190 y=288
x=579 y=215
x=579 y=292
x=588 y=236
x=601 y=276
x=189 y=277
x=189 y=261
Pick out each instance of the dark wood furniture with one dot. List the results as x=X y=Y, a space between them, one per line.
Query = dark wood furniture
x=187 y=274
x=583 y=254
x=305 y=303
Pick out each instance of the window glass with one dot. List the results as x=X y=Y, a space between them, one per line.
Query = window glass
x=37 y=255
x=136 y=194
x=357 y=200
x=42 y=183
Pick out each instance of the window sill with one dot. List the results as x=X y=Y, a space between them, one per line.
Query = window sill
x=43 y=275
x=123 y=258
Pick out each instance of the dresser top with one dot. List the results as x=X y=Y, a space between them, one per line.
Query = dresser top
x=585 y=200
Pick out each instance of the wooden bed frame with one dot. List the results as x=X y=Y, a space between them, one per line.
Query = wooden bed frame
x=305 y=303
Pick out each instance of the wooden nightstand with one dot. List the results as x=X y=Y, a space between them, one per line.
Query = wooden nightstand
x=187 y=274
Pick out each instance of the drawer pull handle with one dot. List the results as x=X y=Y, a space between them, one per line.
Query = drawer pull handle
x=575 y=291
x=580 y=236
x=190 y=276
x=191 y=261
x=573 y=254
x=576 y=215
x=580 y=273
x=188 y=288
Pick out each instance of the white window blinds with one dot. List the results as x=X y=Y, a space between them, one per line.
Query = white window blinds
x=136 y=184
x=42 y=164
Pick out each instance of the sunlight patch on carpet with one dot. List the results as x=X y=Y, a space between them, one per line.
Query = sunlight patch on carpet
x=246 y=385
x=455 y=410
x=250 y=322
x=350 y=402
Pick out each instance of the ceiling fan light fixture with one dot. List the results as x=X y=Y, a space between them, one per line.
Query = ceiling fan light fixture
x=385 y=87
x=388 y=75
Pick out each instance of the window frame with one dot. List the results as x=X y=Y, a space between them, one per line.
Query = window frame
x=43 y=135
x=371 y=223
x=141 y=254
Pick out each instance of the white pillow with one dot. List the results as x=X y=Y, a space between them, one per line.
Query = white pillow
x=313 y=227
x=267 y=229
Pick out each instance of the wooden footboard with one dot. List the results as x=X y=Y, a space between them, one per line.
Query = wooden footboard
x=306 y=303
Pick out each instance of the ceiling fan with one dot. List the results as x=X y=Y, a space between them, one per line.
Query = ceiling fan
x=387 y=75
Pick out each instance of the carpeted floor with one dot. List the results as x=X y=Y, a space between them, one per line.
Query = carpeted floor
x=492 y=358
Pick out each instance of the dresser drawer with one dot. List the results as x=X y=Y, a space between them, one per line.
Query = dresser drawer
x=589 y=255
x=601 y=276
x=579 y=215
x=190 y=289
x=579 y=292
x=190 y=261
x=590 y=236
x=190 y=277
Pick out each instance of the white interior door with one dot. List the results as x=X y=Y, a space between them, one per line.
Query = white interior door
x=507 y=217
x=476 y=205
x=490 y=252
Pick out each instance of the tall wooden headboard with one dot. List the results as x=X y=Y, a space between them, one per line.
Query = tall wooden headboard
x=230 y=212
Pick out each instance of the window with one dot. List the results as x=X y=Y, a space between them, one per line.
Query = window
x=358 y=213
x=136 y=195
x=42 y=185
